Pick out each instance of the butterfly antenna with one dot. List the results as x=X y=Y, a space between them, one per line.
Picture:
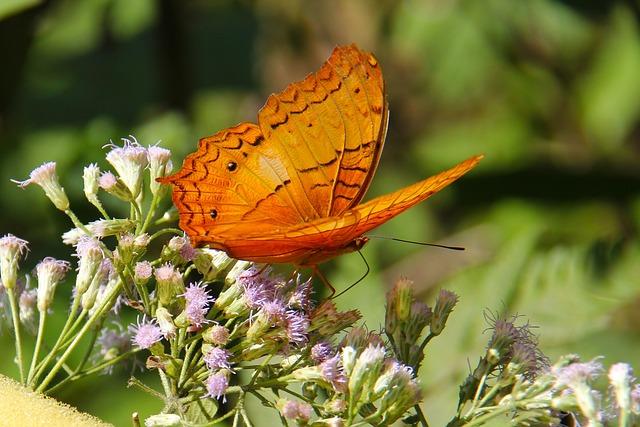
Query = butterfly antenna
x=435 y=245
x=366 y=273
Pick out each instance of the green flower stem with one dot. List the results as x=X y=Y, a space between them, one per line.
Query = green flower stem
x=87 y=326
x=95 y=369
x=150 y=213
x=159 y=233
x=15 y=316
x=191 y=348
x=36 y=352
x=421 y=416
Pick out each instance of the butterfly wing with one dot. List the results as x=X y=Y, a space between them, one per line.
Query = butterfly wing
x=322 y=239
x=330 y=129
x=230 y=185
x=313 y=154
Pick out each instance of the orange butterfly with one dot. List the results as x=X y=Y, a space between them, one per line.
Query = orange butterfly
x=286 y=190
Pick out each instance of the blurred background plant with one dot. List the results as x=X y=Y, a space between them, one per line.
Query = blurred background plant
x=547 y=90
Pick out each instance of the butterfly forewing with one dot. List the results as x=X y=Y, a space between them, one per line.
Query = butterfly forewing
x=330 y=129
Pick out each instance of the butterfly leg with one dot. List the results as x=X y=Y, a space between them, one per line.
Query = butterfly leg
x=318 y=273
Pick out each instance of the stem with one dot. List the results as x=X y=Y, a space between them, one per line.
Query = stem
x=96 y=315
x=159 y=233
x=420 y=414
x=15 y=316
x=150 y=212
x=36 y=352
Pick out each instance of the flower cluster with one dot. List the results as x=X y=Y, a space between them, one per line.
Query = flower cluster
x=217 y=329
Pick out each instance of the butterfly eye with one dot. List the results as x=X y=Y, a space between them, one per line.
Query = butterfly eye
x=231 y=166
x=213 y=214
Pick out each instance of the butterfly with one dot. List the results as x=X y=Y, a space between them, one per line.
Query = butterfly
x=287 y=189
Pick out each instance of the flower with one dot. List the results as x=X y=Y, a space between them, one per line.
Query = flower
x=301 y=297
x=45 y=176
x=179 y=250
x=100 y=279
x=321 y=351
x=50 y=272
x=129 y=161
x=197 y=303
x=145 y=333
x=333 y=372
x=297 y=327
x=217 y=384
x=217 y=358
x=12 y=249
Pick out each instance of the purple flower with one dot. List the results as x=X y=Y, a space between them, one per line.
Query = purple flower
x=50 y=272
x=217 y=358
x=145 y=333
x=275 y=312
x=198 y=301
x=217 y=385
x=321 y=351
x=297 y=327
x=301 y=297
x=333 y=372
x=577 y=373
x=111 y=340
x=289 y=409
x=258 y=287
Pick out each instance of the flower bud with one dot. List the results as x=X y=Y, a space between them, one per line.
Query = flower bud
x=159 y=166
x=178 y=251
x=365 y=370
x=99 y=279
x=27 y=305
x=165 y=322
x=348 y=358
x=163 y=420
x=210 y=262
x=217 y=335
x=12 y=249
x=90 y=179
x=444 y=306
x=90 y=256
x=99 y=229
x=50 y=272
x=142 y=272
x=114 y=186
x=326 y=320
x=238 y=268
x=45 y=176
x=621 y=378
x=169 y=284
x=129 y=161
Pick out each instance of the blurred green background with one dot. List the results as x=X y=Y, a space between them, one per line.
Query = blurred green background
x=548 y=90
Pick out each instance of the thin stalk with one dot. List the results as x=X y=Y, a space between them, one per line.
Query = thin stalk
x=15 y=316
x=150 y=213
x=36 y=352
x=87 y=326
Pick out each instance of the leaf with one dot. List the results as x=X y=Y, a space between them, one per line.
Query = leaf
x=201 y=411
